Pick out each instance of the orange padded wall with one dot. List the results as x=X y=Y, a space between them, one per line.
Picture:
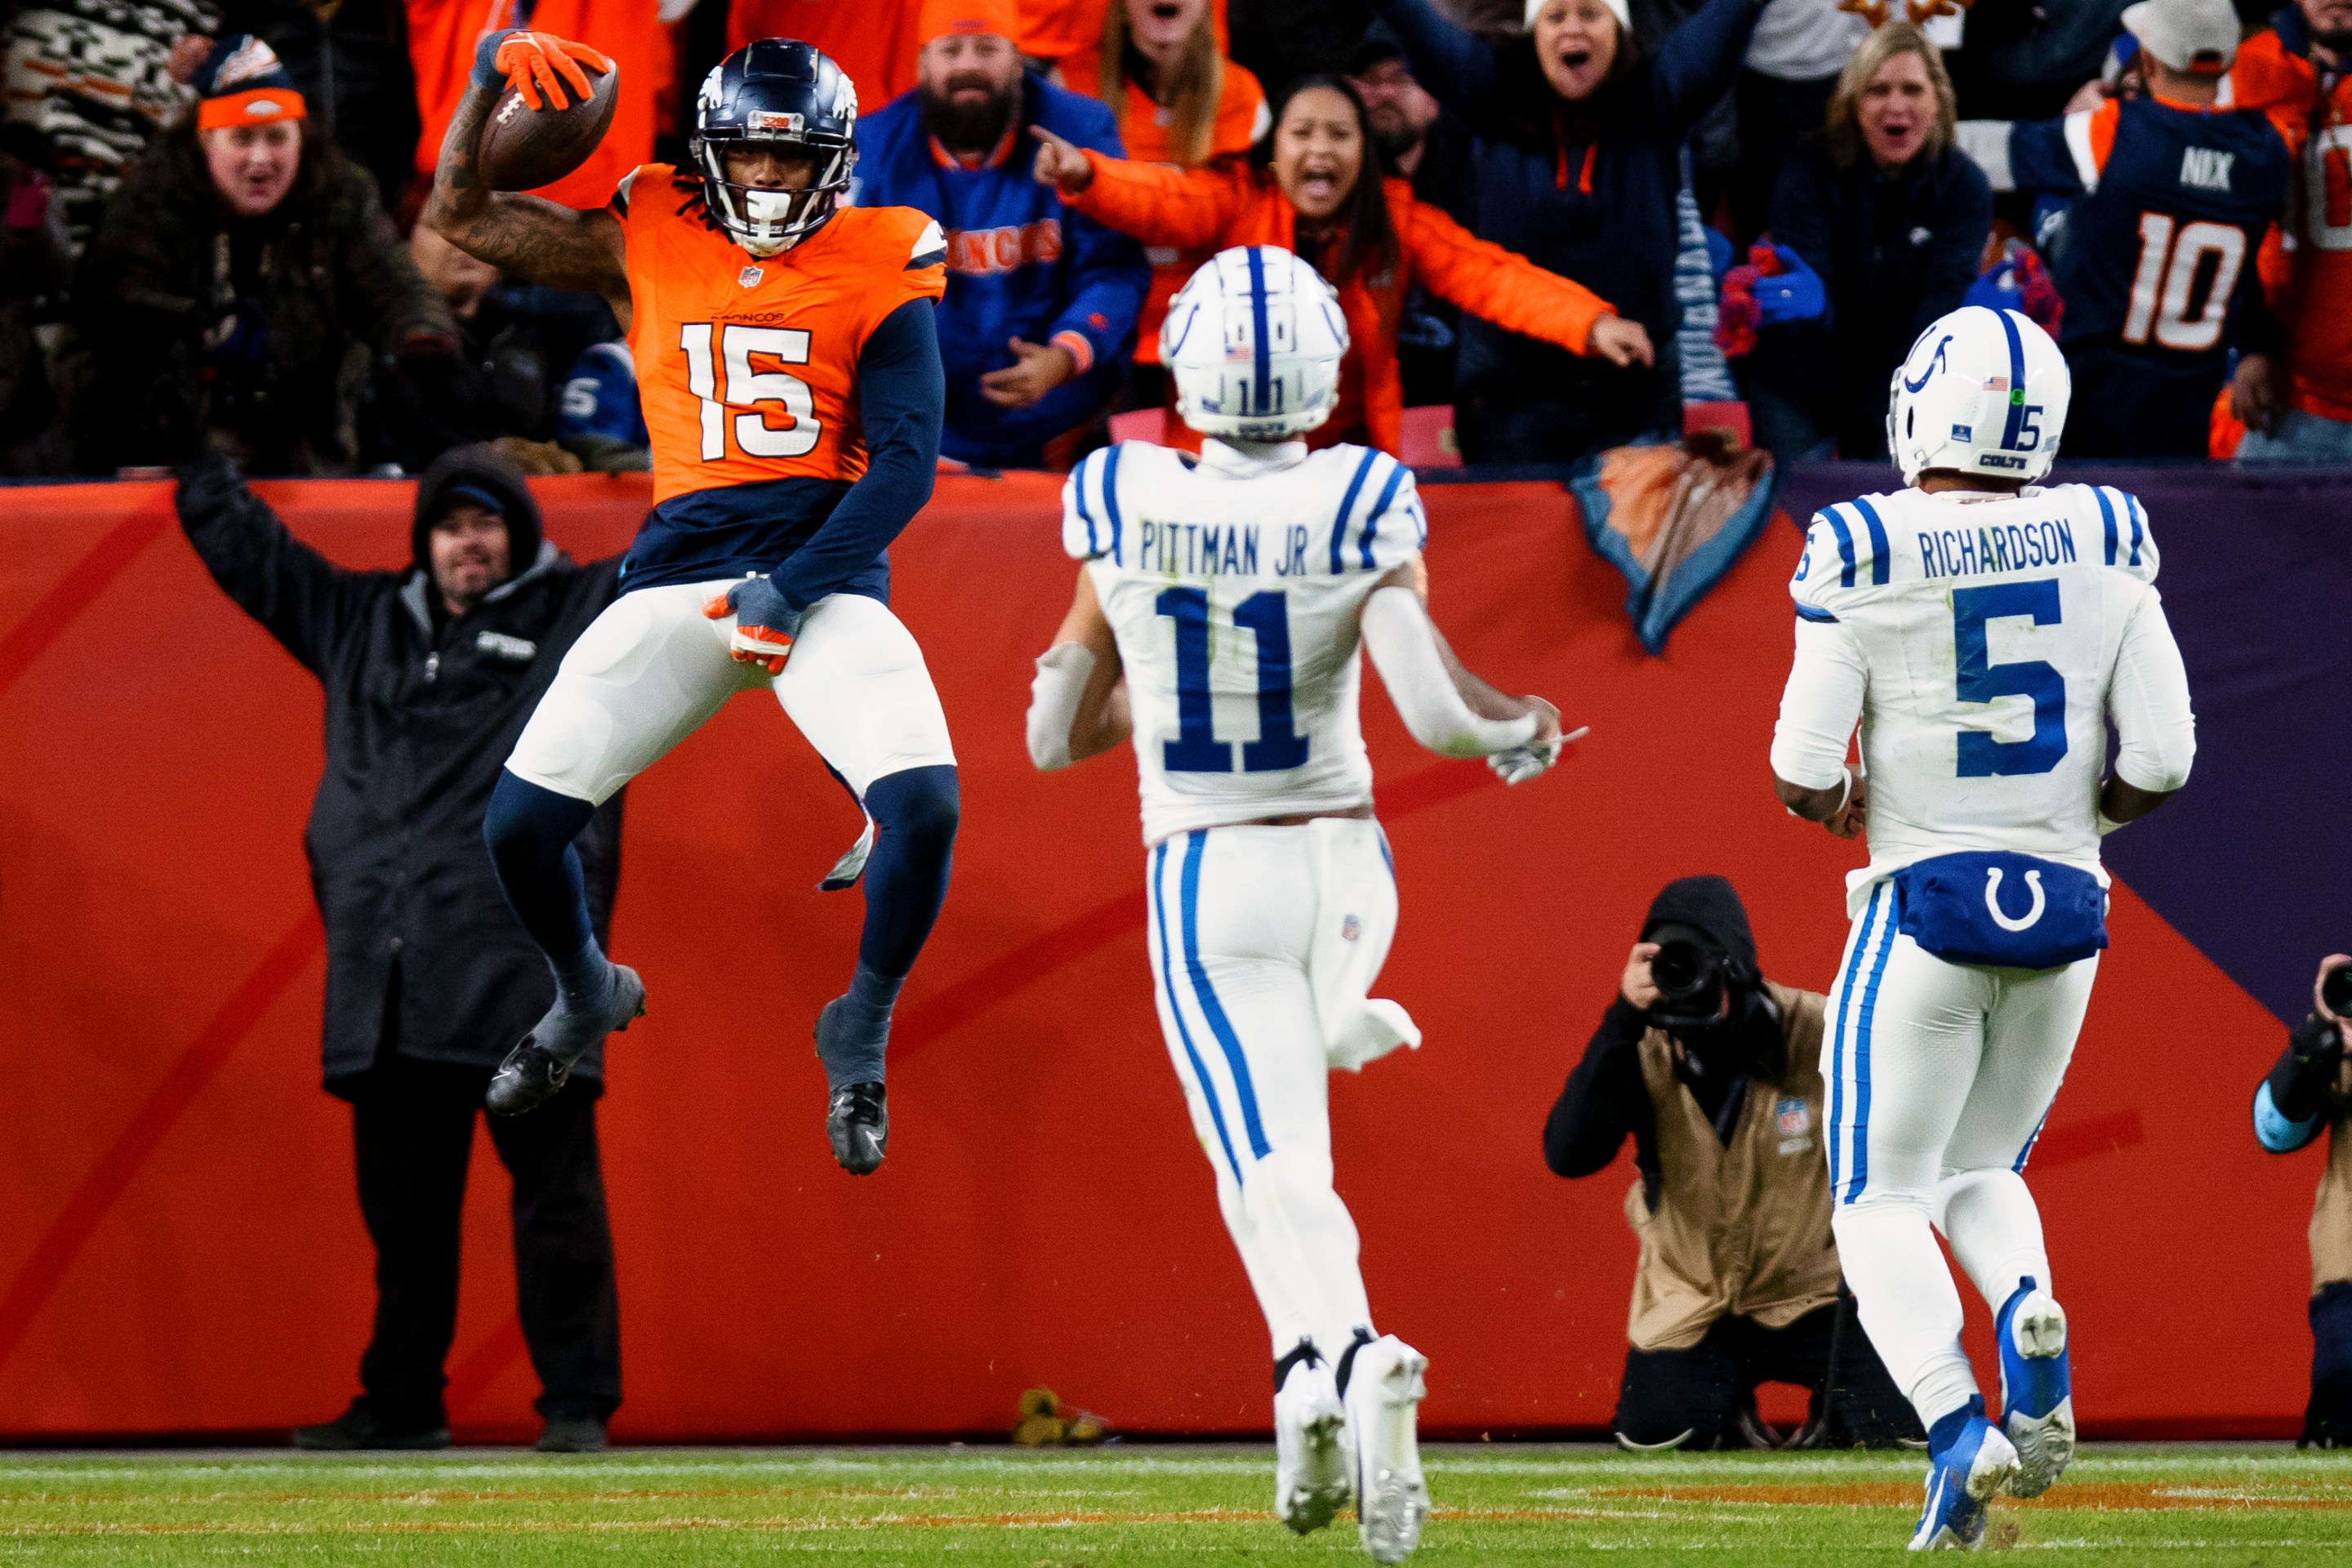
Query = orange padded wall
x=180 y=1249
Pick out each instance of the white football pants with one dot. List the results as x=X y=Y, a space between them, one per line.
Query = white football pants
x=651 y=667
x=1940 y=1078
x=1264 y=943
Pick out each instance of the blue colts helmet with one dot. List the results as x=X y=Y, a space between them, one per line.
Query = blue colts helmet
x=1982 y=392
x=1253 y=342
x=781 y=93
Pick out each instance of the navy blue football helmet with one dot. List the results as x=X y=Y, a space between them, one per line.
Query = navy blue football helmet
x=787 y=94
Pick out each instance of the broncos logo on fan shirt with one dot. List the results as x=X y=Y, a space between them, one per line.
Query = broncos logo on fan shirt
x=748 y=368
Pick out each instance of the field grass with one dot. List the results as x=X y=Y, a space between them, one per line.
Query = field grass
x=2207 y=1505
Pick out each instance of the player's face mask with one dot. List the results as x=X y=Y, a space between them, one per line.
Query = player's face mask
x=767 y=221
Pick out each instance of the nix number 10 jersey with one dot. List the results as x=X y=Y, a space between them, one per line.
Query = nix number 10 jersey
x=1233 y=584
x=1986 y=641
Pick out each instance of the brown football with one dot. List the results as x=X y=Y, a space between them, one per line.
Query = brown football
x=525 y=148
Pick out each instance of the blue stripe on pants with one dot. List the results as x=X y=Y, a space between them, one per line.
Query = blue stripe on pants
x=2030 y=1140
x=1211 y=1009
x=1837 y=1036
x=1861 y=1173
x=1176 y=1010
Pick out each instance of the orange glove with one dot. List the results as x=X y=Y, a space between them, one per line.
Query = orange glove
x=537 y=63
x=764 y=624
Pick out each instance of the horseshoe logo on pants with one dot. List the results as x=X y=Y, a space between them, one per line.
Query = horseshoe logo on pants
x=1992 y=901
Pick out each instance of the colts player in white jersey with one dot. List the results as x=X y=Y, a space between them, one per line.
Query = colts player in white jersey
x=1219 y=613
x=1984 y=632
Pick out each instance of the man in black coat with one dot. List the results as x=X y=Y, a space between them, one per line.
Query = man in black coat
x=429 y=675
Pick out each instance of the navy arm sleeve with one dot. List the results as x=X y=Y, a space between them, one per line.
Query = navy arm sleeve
x=902 y=398
x=1605 y=1099
x=1699 y=60
x=301 y=598
x=2039 y=158
x=1455 y=65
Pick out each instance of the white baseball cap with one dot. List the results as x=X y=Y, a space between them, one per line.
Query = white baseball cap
x=1616 y=8
x=2196 y=35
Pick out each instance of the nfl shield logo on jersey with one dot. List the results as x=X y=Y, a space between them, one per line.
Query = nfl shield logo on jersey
x=1795 y=1119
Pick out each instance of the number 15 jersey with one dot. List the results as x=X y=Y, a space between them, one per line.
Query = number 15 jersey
x=748 y=371
x=1233 y=584
x=1984 y=642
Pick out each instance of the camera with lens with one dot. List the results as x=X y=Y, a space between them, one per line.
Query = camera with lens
x=1691 y=978
x=2335 y=991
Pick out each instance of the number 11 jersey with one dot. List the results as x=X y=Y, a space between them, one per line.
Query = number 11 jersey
x=748 y=371
x=1233 y=584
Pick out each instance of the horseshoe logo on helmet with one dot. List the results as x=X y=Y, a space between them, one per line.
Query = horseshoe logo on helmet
x=2033 y=910
x=1935 y=362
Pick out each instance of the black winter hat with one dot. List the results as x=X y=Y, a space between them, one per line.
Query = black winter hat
x=1708 y=905
x=476 y=476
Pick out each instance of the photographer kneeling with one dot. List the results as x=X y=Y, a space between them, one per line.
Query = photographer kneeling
x=2308 y=1092
x=1714 y=1070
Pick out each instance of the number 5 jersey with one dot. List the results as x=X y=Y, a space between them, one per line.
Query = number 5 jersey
x=748 y=368
x=1984 y=642
x=1233 y=583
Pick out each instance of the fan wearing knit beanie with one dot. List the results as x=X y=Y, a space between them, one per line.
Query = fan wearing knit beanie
x=249 y=119
x=1577 y=130
x=248 y=259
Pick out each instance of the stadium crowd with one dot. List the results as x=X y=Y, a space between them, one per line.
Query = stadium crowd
x=1513 y=202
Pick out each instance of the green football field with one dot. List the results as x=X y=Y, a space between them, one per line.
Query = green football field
x=2208 y=1505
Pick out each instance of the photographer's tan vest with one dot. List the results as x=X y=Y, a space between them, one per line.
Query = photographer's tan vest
x=2331 y=1209
x=1741 y=1228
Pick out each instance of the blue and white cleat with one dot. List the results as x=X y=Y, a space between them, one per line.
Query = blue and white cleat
x=1961 y=1479
x=2037 y=1403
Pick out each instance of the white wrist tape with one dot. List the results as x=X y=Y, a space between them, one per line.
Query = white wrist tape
x=1403 y=647
x=1063 y=671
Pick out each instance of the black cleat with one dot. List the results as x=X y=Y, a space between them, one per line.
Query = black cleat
x=858 y=1122
x=542 y=1065
x=360 y=1427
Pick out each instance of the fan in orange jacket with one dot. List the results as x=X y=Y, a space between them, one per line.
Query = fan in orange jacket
x=1306 y=188
x=1160 y=67
x=2295 y=72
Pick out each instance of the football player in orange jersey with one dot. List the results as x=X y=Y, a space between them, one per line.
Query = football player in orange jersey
x=789 y=371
